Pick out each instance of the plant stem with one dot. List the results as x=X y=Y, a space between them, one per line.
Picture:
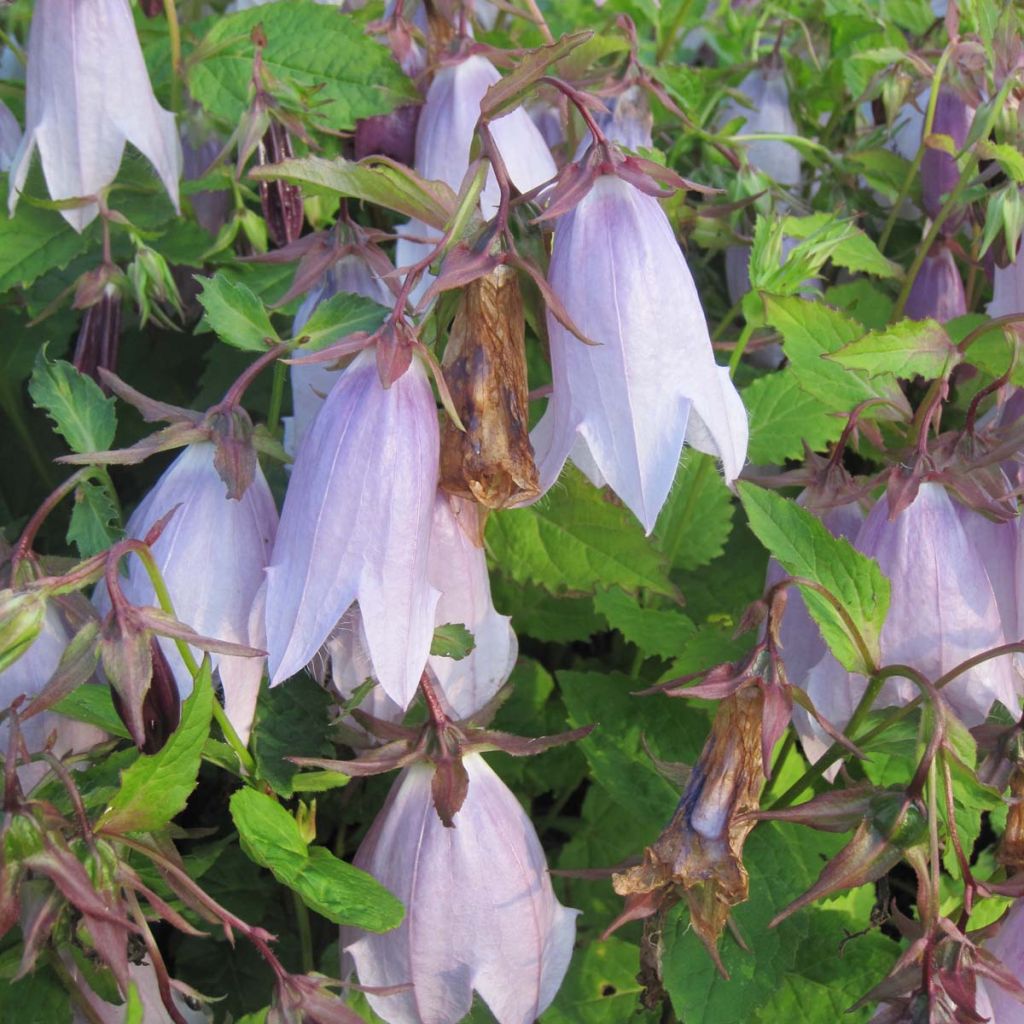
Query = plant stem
x=305 y=933
x=276 y=397
x=174 y=37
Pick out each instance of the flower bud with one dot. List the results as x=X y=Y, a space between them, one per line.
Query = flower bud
x=87 y=94
x=21 y=620
x=768 y=112
x=939 y=172
x=281 y=200
x=481 y=914
x=623 y=407
x=491 y=461
x=355 y=527
x=99 y=336
x=938 y=290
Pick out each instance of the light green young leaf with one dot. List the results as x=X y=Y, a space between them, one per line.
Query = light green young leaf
x=696 y=520
x=75 y=403
x=235 y=314
x=577 y=539
x=805 y=548
x=157 y=786
x=910 y=348
x=848 y=245
x=338 y=317
x=783 y=417
x=452 y=640
x=95 y=516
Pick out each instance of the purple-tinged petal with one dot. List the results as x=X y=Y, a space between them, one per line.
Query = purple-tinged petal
x=212 y=554
x=1008 y=288
x=355 y=526
x=938 y=290
x=1008 y=946
x=350 y=666
x=651 y=380
x=768 y=113
x=481 y=913
x=10 y=137
x=87 y=94
x=939 y=172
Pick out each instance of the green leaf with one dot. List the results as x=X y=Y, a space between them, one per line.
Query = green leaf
x=539 y=614
x=38 y=998
x=338 y=317
x=389 y=185
x=908 y=349
x=35 y=241
x=696 y=520
x=235 y=314
x=93 y=705
x=346 y=73
x=862 y=300
x=1008 y=157
x=75 y=403
x=788 y=973
x=849 y=246
x=658 y=632
x=291 y=721
x=811 y=330
x=157 y=786
x=95 y=516
x=806 y=549
x=783 y=416
x=452 y=640
x=333 y=888
x=577 y=539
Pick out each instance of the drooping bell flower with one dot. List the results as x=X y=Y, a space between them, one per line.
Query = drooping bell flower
x=942 y=610
x=628 y=402
x=1008 y=288
x=939 y=172
x=481 y=914
x=768 y=111
x=938 y=290
x=87 y=94
x=212 y=554
x=311 y=382
x=1008 y=946
x=355 y=527
x=10 y=137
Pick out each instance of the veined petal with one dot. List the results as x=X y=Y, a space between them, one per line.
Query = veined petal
x=356 y=524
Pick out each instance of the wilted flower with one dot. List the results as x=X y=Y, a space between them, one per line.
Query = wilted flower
x=768 y=112
x=87 y=94
x=942 y=610
x=355 y=527
x=481 y=916
x=938 y=290
x=623 y=407
x=939 y=172
x=212 y=554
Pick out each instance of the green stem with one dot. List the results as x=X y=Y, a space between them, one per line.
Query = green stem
x=163 y=598
x=741 y=346
x=305 y=933
x=665 y=46
x=276 y=397
x=174 y=36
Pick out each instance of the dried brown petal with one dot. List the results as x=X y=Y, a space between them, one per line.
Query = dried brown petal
x=485 y=367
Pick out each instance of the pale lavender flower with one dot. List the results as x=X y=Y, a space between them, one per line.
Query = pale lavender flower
x=942 y=610
x=1008 y=946
x=212 y=555
x=623 y=407
x=1008 y=288
x=481 y=914
x=87 y=94
x=10 y=137
x=939 y=172
x=26 y=677
x=311 y=382
x=938 y=290
x=355 y=527
x=768 y=112
x=153 y=1010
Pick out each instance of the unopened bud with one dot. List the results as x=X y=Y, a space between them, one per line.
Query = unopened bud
x=938 y=290
x=281 y=201
x=939 y=172
x=99 y=337
x=491 y=461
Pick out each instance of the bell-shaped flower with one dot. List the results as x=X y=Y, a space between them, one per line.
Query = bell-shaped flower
x=444 y=138
x=87 y=94
x=311 y=382
x=939 y=172
x=356 y=527
x=938 y=290
x=624 y=406
x=1008 y=947
x=1008 y=288
x=768 y=112
x=942 y=611
x=212 y=554
x=481 y=914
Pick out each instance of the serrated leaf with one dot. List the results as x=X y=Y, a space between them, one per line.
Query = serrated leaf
x=93 y=705
x=849 y=246
x=783 y=416
x=80 y=412
x=291 y=721
x=338 y=317
x=157 y=786
x=333 y=888
x=1009 y=157
x=539 y=614
x=235 y=314
x=389 y=185
x=347 y=73
x=811 y=330
x=452 y=640
x=658 y=632
x=578 y=539
x=35 y=241
x=908 y=349
x=696 y=520
x=95 y=516
x=805 y=548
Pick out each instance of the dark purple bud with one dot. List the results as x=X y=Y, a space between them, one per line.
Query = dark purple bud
x=939 y=173
x=152 y=721
x=392 y=135
x=938 y=291
x=281 y=201
x=152 y=8
x=99 y=337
